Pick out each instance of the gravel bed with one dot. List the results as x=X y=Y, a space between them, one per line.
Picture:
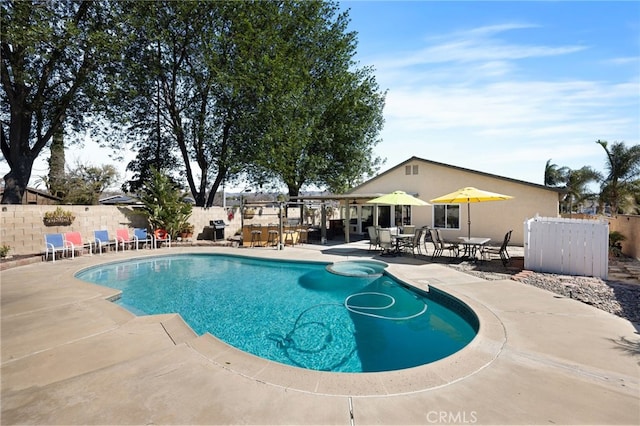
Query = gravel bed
x=616 y=297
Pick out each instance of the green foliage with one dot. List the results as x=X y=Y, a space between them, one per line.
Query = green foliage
x=615 y=238
x=53 y=58
x=164 y=204
x=621 y=186
x=59 y=217
x=4 y=250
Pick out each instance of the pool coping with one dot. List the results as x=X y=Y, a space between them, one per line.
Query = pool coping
x=483 y=349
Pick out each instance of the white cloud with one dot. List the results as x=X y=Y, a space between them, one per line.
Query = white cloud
x=469 y=107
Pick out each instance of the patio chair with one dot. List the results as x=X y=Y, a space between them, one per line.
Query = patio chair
x=409 y=229
x=123 y=239
x=385 y=242
x=54 y=243
x=161 y=236
x=141 y=237
x=439 y=245
x=426 y=240
x=73 y=241
x=413 y=244
x=102 y=241
x=501 y=251
x=373 y=237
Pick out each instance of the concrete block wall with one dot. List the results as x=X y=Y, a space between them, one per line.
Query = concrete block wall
x=22 y=227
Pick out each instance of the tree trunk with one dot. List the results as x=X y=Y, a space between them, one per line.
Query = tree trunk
x=19 y=156
x=16 y=181
x=56 y=165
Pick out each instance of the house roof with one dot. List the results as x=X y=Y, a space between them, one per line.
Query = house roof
x=414 y=158
x=119 y=199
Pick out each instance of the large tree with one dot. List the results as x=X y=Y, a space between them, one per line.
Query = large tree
x=187 y=80
x=577 y=187
x=51 y=52
x=554 y=175
x=263 y=88
x=621 y=186
x=321 y=115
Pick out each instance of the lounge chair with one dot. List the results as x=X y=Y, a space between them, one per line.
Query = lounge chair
x=501 y=251
x=73 y=241
x=141 y=237
x=102 y=240
x=161 y=236
x=373 y=237
x=123 y=239
x=54 y=243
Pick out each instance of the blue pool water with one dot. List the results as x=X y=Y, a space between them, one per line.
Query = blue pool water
x=296 y=313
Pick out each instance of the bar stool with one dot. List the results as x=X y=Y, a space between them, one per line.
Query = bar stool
x=256 y=235
x=273 y=234
x=290 y=235
x=303 y=235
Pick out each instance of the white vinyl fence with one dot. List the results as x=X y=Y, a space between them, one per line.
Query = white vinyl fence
x=567 y=246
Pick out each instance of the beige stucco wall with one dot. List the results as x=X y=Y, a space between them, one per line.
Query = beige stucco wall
x=629 y=226
x=489 y=219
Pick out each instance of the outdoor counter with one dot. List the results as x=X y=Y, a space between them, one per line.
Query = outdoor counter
x=290 y=235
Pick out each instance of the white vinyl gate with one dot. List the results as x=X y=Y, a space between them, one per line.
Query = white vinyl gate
x=567 y=246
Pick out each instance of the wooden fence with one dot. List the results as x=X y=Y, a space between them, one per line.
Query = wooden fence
x=567 y=246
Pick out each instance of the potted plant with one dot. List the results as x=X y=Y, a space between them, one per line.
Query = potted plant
x=186 y=230
x=58 y=217
x=164 y=205
x=249 y=213
x=4 y=251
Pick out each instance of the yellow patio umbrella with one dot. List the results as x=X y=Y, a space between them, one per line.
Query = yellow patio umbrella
x=399 y=198
x=470 y=195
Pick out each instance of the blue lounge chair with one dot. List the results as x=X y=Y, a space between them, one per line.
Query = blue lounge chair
x=140 y=236
x=54 y=243
x=102 y=240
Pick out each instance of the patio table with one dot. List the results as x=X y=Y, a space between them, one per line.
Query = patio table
x=401 y=237
x=472 y=246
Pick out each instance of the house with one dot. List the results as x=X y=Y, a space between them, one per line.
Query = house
x=427 y=180
x=35 y=196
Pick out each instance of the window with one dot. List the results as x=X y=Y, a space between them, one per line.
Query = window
x=411 y=170
x=446 y=216
x=402 y=215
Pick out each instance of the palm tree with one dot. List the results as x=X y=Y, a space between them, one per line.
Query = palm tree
x=576 y=186
x=555 y=176
x=622 y=183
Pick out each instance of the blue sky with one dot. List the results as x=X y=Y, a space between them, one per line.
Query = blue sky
x=502 y=87
x=499 y=87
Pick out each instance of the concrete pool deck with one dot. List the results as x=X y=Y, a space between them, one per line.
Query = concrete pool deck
x=69 y=356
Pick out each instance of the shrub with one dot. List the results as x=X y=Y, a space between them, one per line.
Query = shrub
x=615 y=246
x=164 y=204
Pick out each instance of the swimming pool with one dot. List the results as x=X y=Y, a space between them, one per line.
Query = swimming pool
x=296 y=313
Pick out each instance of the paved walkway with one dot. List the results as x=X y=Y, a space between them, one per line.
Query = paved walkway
x=71 y=357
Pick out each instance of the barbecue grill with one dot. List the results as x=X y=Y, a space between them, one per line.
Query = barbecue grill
x=218 y=229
